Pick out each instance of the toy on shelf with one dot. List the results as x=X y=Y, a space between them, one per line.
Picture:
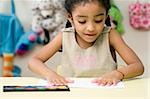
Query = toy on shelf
x=28 y=41
x=116 y=17
x=139 y=14
x=9 y=70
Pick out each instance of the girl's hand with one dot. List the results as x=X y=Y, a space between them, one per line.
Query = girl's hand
x=55 y=79
x=109 y=79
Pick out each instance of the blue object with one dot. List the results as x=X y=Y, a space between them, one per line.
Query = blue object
x=10 y=31
x=16 y=71
x=27 y=42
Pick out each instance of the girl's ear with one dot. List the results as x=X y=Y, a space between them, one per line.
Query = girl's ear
x=70 y=18
x=107 y=21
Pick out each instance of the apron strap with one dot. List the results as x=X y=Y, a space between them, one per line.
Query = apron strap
x=12 y=7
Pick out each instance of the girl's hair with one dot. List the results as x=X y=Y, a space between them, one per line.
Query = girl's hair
x=70 y=5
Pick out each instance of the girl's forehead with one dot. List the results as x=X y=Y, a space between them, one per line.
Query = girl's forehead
x=97 y=2
x=89 y=7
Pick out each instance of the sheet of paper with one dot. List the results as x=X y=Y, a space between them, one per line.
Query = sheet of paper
x=84 y=83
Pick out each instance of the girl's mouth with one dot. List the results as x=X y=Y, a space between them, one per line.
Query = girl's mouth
x=90 y=34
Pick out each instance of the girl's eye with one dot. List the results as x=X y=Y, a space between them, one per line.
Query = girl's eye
x=98 y=21
x=82 y=22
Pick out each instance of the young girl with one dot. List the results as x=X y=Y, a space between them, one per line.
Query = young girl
x=86 y=47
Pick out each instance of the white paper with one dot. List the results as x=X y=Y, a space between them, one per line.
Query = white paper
x=84 y=83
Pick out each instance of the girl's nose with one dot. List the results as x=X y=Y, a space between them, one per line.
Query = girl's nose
x=91 y=27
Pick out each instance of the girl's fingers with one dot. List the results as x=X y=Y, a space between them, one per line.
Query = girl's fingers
x=109 y=83
x=54 y=82
x=50 y=82
x=104 y=82
x=57 y=82
x=96 y=80
x=63 y=81
x=69 y=80
x=115 y=82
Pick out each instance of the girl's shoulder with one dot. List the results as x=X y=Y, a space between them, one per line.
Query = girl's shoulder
x=106 y=29
x=70 y=29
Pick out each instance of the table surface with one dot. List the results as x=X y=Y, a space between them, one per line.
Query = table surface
x=136 y=88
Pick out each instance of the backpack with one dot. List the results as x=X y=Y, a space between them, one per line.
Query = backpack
x=10 y=31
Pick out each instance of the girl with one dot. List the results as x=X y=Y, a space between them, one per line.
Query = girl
x=86 y=47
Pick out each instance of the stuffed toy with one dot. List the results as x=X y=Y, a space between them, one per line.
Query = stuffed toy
x=51 y=17
x=28 y=41
x=139 y=14
x=116 y=18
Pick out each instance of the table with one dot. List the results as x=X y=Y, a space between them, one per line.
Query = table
x=136 y=88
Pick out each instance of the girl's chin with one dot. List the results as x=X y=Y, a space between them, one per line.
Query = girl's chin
x=90 y=39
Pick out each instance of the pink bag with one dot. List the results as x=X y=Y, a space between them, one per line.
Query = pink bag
x=139 y=14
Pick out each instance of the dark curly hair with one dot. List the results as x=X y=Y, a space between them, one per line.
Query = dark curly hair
x=70 y=5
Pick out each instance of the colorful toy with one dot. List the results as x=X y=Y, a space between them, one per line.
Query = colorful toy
x=27 y=41
x=116 y=17
x=11 y=30
x=139 y=14
x=9 y=70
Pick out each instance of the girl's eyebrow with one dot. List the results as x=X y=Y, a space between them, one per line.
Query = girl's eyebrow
x=100 y=14
x=81 y=16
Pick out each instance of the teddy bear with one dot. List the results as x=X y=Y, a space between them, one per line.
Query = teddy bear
x=52 y=17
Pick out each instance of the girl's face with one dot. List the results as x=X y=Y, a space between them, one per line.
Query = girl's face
x=88 y=20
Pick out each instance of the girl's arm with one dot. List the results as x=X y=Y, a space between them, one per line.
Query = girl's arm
x=134 y=65
x=36 y=63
